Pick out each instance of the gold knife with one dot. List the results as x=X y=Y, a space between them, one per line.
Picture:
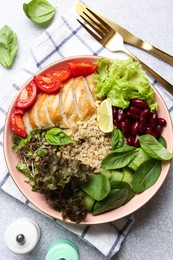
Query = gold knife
x=129 y=37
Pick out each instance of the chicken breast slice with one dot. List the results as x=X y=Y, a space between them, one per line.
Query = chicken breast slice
x=68 y=102
x=43 y=115
x=86 y=107
x=33 y=115
x=90 y=84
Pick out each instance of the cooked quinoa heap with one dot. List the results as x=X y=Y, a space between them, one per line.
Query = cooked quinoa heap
x=89 y=145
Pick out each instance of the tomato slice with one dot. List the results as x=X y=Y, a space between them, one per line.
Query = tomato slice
x=27 y=96
x=17 y=125
x=62 y=74
x=82 y=68
x=19 y=111
x=47 y=85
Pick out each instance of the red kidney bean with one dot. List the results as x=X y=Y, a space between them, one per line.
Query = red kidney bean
x=149 y=131
x=135 y=110
x=125 y=127
x=158 y=130
x=139 y=103
x=132 y=116
x=142 y=125
x=145 y=113
x=134 y=128
x=114 y=112
x=120 y=115
x=136 y=142
x=130 y=140
x=161 y=121
x=153 y=120
x=117 y=124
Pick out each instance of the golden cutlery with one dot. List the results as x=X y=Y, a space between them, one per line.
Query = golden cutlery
x=113 y=41
x=129 y=37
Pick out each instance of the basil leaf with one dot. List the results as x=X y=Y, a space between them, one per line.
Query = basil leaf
x=39 y=11
x=115 y=199
x=97 y=186
x=119 y=158
x=117 y=138
x=153 y=148
x=146 y=175
x=8 y=46
x=56 y=136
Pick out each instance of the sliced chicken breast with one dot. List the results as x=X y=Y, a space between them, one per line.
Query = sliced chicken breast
x=75 y=101
x=86 y=108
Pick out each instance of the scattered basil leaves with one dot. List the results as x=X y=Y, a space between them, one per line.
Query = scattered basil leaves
x=56 y=136
x=8 y=46
x=146 y=175
x=153 y=148
x=39 y=11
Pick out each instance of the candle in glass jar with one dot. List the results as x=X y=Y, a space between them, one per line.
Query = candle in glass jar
x=62 y=249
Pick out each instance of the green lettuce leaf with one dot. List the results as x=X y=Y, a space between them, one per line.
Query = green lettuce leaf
x=122 y=80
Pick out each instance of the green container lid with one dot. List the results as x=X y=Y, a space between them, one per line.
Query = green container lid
x=62 y=249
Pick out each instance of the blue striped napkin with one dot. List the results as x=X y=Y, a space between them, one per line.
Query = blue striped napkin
x=63 y=39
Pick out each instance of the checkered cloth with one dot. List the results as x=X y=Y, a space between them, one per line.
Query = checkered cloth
x=63 y=39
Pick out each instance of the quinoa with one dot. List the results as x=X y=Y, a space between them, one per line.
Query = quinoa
x=90 y=145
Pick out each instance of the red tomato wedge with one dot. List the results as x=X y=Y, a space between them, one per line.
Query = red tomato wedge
x=82 y=68
x=17 y=125
x=27 y=96
x=62 y=74
x=19 y=111
x=47 y=85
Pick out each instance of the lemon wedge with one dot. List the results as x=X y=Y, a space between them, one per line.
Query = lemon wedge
x=105 y=117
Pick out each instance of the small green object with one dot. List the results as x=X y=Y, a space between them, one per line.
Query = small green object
x=55 y=136
x=62 y=249
x=8 y=46
x=39 y=11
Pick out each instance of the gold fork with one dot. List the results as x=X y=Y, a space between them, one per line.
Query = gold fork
x=114 y=42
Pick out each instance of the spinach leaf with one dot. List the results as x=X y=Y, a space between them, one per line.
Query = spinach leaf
x=162 y=141
x=119 y=158
x=97 y=186
x=115 y=199
x=146 y=175
x=153 y=148
x=123 y=184
x=8 y=46
x=117 y=138
x=56 y=136
x=39 y=11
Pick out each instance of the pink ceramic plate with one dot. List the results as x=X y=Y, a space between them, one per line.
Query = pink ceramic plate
x=39 y=201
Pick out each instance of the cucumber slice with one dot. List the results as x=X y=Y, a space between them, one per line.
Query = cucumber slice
x=88 y=201
x=107 y=173
x=140 y=158
x=116 y=178
x=127 y=175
